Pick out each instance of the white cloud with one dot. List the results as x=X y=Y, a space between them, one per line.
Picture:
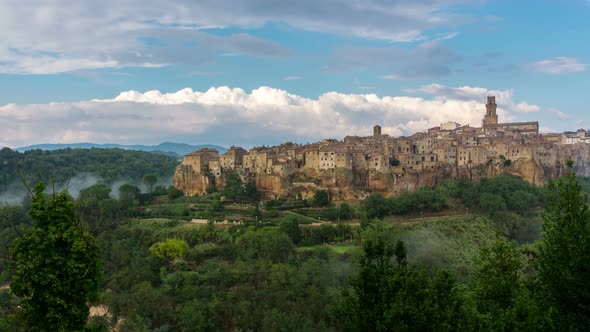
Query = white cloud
x=293 y=78
x=233 y=116
x=46 y=37
x=559 y=65
x=526 y=108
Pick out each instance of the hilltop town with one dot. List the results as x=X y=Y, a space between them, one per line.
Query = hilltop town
x=351 y=167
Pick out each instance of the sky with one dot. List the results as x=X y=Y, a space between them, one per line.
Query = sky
x=255 y=72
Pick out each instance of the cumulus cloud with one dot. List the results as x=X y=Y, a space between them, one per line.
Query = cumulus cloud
x=228 y=116
x=44 y=37
x=559 y=65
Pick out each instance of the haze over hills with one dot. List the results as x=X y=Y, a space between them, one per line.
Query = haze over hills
x=177 y=148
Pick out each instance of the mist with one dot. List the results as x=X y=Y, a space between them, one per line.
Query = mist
x=17 y=191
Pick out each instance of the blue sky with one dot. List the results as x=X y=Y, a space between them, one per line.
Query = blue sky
x=332 y=67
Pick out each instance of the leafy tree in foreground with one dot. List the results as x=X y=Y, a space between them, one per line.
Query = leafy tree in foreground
x=56 y=266
x=564 y=267
x=388 y=296
x=499 y=293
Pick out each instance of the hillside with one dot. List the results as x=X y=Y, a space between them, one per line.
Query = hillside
x=81 y=167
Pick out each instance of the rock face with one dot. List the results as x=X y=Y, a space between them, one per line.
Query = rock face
x=190 y=182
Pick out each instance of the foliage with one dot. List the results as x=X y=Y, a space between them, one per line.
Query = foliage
x=321 y=198
x=564 y=269
x=110 y=165
x=235 y=190
x=170 y=249
x=394 y=162
x=96 y=209
x=174 y=193
x=264 y=243
x=497 y=289
x=56 y=266
x=452 y=243
x=388 y=295
x=128 y=194
x=150 y=181
x=499 y=194
x=14 y=220
x=233 y=186
x=291 y=228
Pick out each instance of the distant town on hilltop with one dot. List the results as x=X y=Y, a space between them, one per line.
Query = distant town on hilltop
x=390 y=165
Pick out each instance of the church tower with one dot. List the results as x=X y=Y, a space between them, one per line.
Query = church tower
x=376 y=131
x=491 y=118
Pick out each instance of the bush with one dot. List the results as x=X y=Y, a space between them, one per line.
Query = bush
x=174 y=193
x=264 y=243
x=321 y=198
x=170 y=249
x=376 y=206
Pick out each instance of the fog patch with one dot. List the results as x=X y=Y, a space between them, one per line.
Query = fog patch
x=77 y=183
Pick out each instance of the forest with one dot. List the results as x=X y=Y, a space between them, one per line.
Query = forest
x=499 y=255
x=60 y=166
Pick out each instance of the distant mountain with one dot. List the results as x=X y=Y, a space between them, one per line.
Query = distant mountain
x=177 y=148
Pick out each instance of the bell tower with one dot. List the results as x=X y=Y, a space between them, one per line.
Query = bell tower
x=376 y=130
x=491 y=118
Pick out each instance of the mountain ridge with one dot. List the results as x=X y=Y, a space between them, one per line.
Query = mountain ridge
x=170 y=147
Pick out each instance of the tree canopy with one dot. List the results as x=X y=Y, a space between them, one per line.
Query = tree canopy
x=56 y=266
x=564 y=268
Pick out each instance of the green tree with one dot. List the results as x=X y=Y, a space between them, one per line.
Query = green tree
x=496 y=284
x=389 y=295
x=291 y=228
x=150 y=181
x=174 y=192
x=376 y=206
x=94 y=205
x=95 y=193
x=170 y=249
x=56 y=266
x=564 y=268
x=233 y=187
x=264 y=243
x=492 y=203
x=321 y=198
x=251 y=194
x=128 y=194
x=345 y=211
